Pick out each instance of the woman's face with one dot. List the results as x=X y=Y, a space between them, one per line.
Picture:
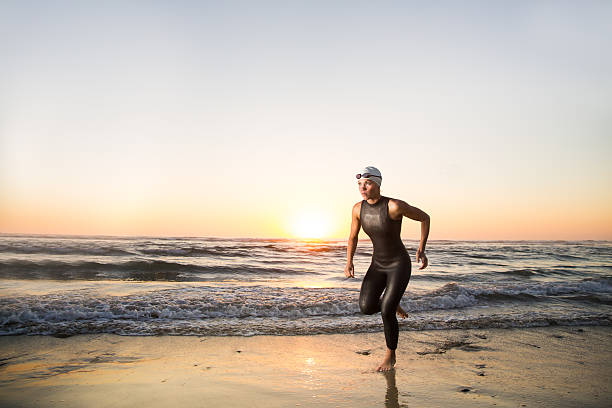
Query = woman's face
x=368 y=189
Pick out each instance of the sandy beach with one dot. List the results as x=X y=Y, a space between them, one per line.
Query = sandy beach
x=543 y=367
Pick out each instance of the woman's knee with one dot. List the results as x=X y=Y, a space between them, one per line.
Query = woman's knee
x=367 y=307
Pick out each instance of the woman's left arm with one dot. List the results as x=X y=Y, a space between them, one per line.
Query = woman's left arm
x=416 y=214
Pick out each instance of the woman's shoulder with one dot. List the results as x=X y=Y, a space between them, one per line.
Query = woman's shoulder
x=395 y=201
x=396 y=206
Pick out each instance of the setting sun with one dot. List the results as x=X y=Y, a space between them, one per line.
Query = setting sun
x=310 y=224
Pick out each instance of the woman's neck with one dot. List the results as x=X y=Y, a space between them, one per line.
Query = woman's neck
x=374 y=200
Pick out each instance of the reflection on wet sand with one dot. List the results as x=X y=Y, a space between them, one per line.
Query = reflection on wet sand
x=392 y=395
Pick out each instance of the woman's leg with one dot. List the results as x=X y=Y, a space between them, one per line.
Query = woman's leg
x=372 y=287
x=397 y=281
x=393 y=283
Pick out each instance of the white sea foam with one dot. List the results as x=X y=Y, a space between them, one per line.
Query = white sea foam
x=189 y=304
x=68 y=285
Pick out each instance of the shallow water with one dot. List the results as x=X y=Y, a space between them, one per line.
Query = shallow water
x=61 y=285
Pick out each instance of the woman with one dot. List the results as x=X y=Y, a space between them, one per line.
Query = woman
x=390 y=269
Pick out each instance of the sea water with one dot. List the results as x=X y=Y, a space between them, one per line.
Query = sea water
x=66 y=285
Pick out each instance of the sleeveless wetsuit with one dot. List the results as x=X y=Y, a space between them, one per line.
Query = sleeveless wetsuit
x=390 y=268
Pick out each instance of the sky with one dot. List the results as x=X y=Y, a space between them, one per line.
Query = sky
x=251 y=118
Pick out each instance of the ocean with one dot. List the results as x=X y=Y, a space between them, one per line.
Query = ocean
x=67 y=285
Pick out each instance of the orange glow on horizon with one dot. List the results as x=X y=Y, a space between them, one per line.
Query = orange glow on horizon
x=535 y=221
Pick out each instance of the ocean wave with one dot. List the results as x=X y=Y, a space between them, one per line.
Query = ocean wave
x=161 y=248
x=138 y=248
x=600 y=298
x=515 y=274
x=314 y=249
x=62 y=248
x=201 y=303
x=587 y=285
x=292 y=327
x=195 y=251
x=568 y=270
x=243 y=283
x=477 y=255
x=141 y=270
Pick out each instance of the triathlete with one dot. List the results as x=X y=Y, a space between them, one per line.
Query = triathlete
x=390 y=269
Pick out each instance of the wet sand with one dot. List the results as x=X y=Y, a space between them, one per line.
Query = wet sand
x=534 y=367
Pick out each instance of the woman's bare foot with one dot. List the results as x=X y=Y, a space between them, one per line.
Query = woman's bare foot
x=401 y=312
x=388 y=362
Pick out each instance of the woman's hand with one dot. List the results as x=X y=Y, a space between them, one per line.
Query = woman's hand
x=420 y=256
x=349 y=270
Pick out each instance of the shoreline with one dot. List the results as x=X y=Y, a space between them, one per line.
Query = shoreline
x=552 y=366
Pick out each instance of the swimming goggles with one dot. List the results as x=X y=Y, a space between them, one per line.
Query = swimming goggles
x=367 y=175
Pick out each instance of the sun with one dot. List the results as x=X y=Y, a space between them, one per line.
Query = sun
x=310 y=225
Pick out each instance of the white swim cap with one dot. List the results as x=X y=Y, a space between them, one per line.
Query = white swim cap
x=371 y=173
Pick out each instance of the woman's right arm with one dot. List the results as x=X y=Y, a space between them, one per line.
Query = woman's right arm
x=349 y=270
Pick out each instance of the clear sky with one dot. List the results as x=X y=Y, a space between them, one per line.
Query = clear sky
x=245 y=119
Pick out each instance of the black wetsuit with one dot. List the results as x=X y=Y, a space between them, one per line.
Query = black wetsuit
x=390 y=268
